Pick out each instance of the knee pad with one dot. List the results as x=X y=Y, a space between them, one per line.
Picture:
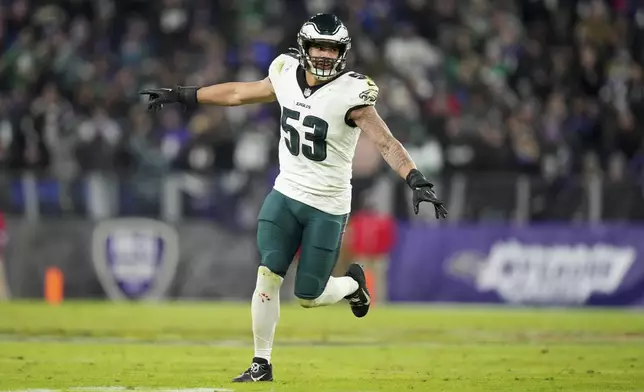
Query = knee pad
x=308 y=287
x=308 y=303
x=264 y=270
x=275 y=261
x=308 y=293
x=268 y=280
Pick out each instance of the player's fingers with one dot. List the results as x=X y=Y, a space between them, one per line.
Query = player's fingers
x=431 y=196
x=437 y=201
x=433 y=199
x=416 y=207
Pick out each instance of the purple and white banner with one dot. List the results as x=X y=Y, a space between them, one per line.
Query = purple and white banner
x=543 y=264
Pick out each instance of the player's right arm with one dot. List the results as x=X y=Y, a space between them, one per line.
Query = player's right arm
x=237 y=93
x=222 y=94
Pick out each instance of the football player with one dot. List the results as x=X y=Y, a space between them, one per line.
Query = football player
x=324 y=109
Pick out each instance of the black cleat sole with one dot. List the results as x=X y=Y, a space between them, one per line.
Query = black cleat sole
x=360 y=301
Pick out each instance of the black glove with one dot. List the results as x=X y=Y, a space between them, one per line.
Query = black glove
x=158 y=97
x=423 y=192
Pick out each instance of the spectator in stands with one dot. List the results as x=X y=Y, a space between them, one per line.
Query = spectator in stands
x=504 y=85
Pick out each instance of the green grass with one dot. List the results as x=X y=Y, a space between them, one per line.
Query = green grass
x=203 y=345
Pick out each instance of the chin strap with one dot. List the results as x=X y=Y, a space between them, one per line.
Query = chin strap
x=295 y=53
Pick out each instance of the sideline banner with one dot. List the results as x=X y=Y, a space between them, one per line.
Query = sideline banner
x=135 y=258
x=539 y=265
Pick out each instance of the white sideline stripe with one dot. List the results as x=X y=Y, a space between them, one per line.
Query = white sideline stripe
x=115 y=389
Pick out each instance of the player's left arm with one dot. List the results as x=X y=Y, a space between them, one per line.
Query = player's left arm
x=395 y=154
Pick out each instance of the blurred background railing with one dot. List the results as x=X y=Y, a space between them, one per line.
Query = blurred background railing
x=233 y=199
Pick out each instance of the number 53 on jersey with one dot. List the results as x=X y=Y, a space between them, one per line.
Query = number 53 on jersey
x=316 y=133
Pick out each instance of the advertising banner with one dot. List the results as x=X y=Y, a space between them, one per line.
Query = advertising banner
x=134 y=259
x=538 y=265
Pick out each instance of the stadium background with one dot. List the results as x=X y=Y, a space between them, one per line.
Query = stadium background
x=526 y=114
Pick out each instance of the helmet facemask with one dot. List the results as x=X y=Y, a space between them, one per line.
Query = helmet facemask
x=323 y=68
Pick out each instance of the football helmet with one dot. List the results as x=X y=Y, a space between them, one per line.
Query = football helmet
x=324 y=30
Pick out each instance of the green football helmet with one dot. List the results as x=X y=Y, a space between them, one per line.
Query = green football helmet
x=323 y=30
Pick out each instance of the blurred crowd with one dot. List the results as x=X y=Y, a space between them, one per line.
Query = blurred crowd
x=548 y=87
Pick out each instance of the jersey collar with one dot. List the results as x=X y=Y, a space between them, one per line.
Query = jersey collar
x=307 y=90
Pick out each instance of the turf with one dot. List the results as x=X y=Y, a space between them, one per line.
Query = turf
x=203 y=345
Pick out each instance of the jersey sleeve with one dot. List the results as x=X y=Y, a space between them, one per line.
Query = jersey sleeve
x=277 y=67
x=363 y=92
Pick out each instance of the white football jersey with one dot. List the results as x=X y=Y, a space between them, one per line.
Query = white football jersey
x=318 y=140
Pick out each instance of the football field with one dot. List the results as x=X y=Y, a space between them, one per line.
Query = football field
x=86 y=346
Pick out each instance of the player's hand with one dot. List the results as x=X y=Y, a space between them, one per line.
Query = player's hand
x=157 y=97
x=426 y=193
x=423 y=192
